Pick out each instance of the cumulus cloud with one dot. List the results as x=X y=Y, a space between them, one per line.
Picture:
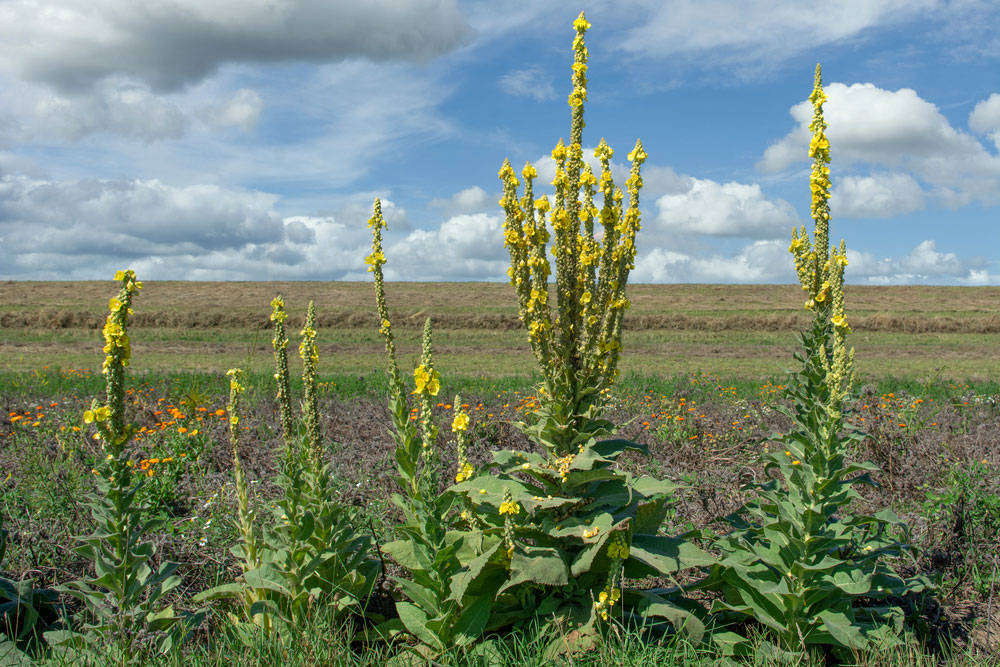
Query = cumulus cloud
x=759 y=262
x=469 y=200
x=463 y=247
x=531 y=82
x=724 y=209
x=70 y=46
x=985 y=118
x=880 y=195
x=900 y=131
x=114 y=105
x=86 y=229
x=924 y=264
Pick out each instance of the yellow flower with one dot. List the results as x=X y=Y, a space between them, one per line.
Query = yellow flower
x=427 y=382
x=839 y=321
x=585 y=298
x=510 y=507
x=464 y=473
x=581 y=24
x=460 y=423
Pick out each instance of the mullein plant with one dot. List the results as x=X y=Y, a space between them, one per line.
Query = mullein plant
x=248 y=551
x=812 y=574
x=121 y=604
x=564 y=529
x=312 y=553
x=431 y=551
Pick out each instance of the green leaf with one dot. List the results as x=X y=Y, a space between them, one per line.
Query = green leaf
x=221 y=592
x=472 y=620
x=650 y=486
x=649 y=517
x=464 y=579
x=665 y=555
x=842 y=629
x=415 y=622
x=11 y=656
x=612 y=449
x=540 y=565
x=422 y=597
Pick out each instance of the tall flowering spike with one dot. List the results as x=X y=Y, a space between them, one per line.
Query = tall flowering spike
x=428 y=384
x=309 y=353
x=110 y=417
x=375 y=261
x=460 y=427
x=820 y=269
x=280 y=345
x=245 y=523
x=811 y=262
x=578 y=346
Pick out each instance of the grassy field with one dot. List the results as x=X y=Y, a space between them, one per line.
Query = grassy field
x=729 y=330
x=700 y=387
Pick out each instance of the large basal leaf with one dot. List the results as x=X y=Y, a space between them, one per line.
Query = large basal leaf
x=472 y=621
x=538 y=565
x=415 y=622
x=842 y=629
x=650 y=605
x=663 y=555
x=472 y=572
x=649 y=487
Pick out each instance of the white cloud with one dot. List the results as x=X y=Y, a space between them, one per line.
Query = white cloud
x=531 y=82
x=759 y=262
x=985 y=118
x=923 y=265
x=469 y=200
x=724 y=209
x=880 y=195
x=113 y=105
x=897 y=130
x=88 y=229
x=241 y=110
x=464 y=247
x=71 y=46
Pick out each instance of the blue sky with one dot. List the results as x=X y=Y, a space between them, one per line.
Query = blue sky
x=246 y=140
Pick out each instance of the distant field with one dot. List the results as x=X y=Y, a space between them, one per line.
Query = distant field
x=728 y=330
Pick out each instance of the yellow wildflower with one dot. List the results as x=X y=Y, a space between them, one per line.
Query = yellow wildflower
x=460 y=423
x=510 y=507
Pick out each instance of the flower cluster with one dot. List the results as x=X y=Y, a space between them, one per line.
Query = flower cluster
x=426 y=380
x=280 y=344
x=618 y=547
x=581 y=341
x=821 y=269
x=606 y=599
x=376 y=259
x=309 y=353
x=110 y=417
